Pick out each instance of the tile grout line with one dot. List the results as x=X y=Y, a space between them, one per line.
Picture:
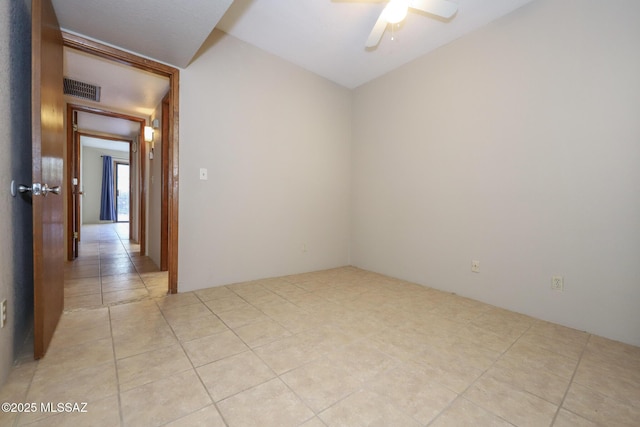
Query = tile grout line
x=193 y=367
x=26 y=393
x=100 y=271
x=252 y=350
x=136 y=271
x=575 y=371
x=316 y=414
x=115 y=361
x=461 y=395
x=499 y=355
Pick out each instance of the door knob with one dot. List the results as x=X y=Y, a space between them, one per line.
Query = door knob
x=35 y=189
x=38 y=189
x=46 y=189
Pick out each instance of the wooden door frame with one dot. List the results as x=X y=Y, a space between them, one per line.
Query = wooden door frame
x=173 y=74
x=73 y=171
x=106 y=137
x=164 y=197
x=72 y=164
x=73 y=190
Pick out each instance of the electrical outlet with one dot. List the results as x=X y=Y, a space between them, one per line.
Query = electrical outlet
x=203 y=174
x=3 y=313
x=557 y=283
x=475 y=266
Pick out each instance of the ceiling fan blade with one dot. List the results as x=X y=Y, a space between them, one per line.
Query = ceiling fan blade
x=443 y=8
x=377 y=32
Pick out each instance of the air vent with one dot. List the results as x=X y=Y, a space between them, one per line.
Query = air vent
x=81 y=90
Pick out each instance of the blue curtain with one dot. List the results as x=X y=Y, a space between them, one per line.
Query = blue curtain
x=107 y=201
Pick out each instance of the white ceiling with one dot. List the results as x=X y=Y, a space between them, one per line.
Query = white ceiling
x=122 y=88
x=328 y=36
x=324 y=36
x=89 y=141
x=167 y=30
x=110 y=126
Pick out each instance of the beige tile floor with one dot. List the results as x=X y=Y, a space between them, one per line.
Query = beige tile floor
x=110 y=270
x=343 y=347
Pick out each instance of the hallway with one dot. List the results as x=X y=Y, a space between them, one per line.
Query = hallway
x=110 y=270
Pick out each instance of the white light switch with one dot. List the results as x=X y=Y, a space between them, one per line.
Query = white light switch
x=203 y=174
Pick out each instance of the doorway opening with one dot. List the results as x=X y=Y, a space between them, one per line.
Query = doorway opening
x=170 y=164
x=110 y=266
x=85 y=172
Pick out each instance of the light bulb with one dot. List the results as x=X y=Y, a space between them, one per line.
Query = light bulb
x=148 y=134
x=396 y=11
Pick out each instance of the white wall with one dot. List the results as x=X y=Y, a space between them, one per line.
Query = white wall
x=518 y=146
x=276 y=142
x=16 y=259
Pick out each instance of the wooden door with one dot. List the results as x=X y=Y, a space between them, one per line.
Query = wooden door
x=47 y=121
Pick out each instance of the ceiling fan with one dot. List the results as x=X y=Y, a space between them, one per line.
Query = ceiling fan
x=396 y=11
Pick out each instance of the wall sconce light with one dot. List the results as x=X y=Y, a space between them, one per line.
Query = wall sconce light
x=148 y=134
x=148 y=137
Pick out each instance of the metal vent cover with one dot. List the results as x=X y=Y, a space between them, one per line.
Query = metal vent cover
x=81 y=89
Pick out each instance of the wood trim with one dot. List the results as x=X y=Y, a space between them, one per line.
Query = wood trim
x=76 y=194
x=114 y=54
x=106 y=136
x=76 y=157
x=173 y=180
x=173 y=74
x=70 y=166
x=75 y=108
x=164 y=197
x=86 y=109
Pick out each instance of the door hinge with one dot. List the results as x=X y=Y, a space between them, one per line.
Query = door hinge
x=75 y=235
x=75 y=127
